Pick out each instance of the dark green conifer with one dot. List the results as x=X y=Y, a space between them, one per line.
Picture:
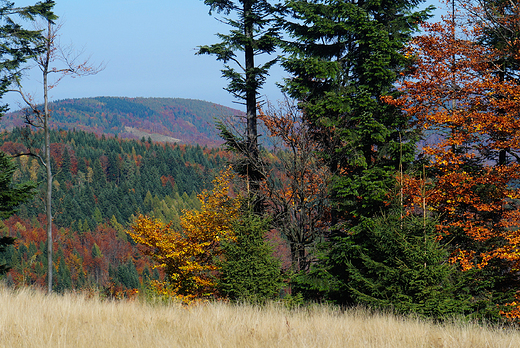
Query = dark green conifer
x=396 y=263
x=344 y=57
x=249 y=271
x=253 y=32
x=10 y=197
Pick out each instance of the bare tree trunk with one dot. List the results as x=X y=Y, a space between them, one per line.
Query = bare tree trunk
x=48 y=159
x=37 y=119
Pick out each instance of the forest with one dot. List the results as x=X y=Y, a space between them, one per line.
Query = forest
x=388 y=178
x=100 y=185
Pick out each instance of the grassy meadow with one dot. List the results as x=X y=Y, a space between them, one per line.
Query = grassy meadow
x=29 y=318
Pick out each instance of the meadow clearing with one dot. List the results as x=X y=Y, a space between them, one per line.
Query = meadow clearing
x=29 y=318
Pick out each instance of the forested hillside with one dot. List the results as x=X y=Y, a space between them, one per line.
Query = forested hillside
x=100 y=183
x=185 y=121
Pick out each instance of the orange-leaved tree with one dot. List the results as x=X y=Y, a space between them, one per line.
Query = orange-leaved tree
x=189 y=256
x=458 y=95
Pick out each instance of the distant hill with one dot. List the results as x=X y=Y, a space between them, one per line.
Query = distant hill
x=185 y=121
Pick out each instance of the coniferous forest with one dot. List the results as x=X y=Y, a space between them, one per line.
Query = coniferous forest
x=388 y=178
x=99 y=185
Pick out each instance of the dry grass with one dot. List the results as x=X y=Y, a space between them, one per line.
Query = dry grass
x=31 y=319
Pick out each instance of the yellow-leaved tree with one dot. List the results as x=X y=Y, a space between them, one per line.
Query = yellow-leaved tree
x=189 y=256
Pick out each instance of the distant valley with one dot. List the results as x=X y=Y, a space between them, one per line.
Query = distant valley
x=186 y=121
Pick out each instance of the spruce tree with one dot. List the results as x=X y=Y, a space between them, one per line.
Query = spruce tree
x=254 y=32
x=11 y=195
x=396 y=263
x=345 y=56
x=249 y=271
x=18 y=44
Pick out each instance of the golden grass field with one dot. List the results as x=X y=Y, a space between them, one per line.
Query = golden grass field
x=29 y=318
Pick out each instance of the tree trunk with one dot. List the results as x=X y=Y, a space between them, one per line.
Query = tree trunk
x=251 y=126
x=46 y=117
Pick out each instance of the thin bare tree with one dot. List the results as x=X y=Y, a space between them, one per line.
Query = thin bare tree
x=60 y=61
x=295 y=184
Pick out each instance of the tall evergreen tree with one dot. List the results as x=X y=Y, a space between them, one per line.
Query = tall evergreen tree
x=254 y=33
x=344 y=57
x=396 y=263
x=18 y=44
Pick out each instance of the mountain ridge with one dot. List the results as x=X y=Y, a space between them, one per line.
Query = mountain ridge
x=188 y=121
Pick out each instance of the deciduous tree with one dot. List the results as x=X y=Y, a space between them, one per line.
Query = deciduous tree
x=10 y=197
x=295 y=182
x=48 y=61
x=18 y=45
x=188 y=256
x=459 y=92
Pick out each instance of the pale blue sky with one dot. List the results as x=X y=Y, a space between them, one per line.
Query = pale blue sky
x=148 y=47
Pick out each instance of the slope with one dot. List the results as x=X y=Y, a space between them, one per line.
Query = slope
x=185 y=121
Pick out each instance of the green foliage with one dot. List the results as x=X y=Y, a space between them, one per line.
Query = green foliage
x=127 y=275
x=396 y=263
x=11 y=195
x=344 y=57
x=105 y=177
x=63 y=280
x=253 y=33
x=161 y=180
x=249 y=271
x=5 y=242
x=19 y=44
x=96 y=252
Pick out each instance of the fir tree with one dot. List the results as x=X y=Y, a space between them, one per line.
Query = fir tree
x=344 y=57
x=254 y=32
x=11 y=195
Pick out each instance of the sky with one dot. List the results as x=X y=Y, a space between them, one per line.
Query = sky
x=147 y=49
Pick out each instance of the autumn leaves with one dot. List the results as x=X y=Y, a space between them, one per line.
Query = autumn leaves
x=463 y=87
x=189 y=256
